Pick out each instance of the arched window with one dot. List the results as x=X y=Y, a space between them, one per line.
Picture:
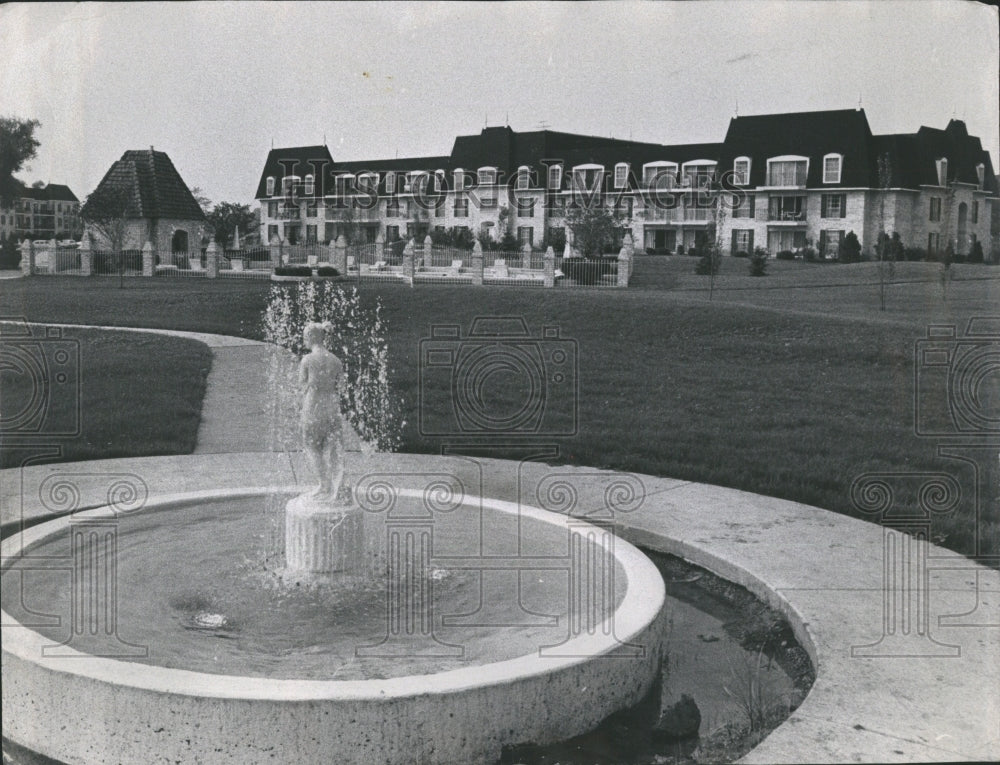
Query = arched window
x=621 y=175
x=523 y=177
x=179 y=241
x=741 y=171
x=270 y=185
x=659 y=174
x=981 y=174
x=942 y=171
x=555 y=177
x=831 y=167
x=790 y=170
x=487 y=176
x=310 y=185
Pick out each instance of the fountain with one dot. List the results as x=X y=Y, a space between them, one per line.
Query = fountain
x=351 y=623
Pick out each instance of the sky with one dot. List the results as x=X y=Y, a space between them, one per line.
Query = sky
x=215 y=85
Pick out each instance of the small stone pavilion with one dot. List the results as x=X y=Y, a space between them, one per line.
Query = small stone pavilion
x=161 y=209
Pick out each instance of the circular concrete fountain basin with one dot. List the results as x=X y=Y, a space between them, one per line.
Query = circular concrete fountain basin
x=495 y=624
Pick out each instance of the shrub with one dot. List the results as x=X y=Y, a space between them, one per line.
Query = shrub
x=109 y=262
x=914 y=254
x=850 y=249
x=708 y=263
x=293 y=271
x=680 y=250
x=327 y=271
x=809 y=255
x=786 y=255
x=976 y=253
x=758 y=263
x=741 y=254
x=10 y=255
x=589 y=270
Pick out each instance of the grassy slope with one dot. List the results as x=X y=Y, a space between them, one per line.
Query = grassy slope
x=774 y=387
x=140 y=395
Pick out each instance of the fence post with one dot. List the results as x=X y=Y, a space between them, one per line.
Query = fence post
x=624 y=267
x=274 y=250
x=550 y=267
x=340 y=255
x=147 y=258
x=86 y=258
x=212 y=259
x=27 y=257
x=427 y=259
x=477 y=263
x=408 y=259
x=526 y=256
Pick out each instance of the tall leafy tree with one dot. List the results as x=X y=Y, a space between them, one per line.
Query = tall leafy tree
x=593 y=227
x=17 y=146
x=226 y=216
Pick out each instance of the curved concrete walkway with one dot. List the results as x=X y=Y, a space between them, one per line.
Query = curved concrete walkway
x=921 y=696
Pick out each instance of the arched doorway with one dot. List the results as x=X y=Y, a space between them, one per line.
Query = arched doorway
x=179 y=242
x=963 y=235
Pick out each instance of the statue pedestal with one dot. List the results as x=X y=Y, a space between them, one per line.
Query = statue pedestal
x=324 y=537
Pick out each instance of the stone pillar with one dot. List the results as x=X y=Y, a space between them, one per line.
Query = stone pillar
x=379 y=246
x=212 y=259
x=624 y=267
x=86 y=258
x=427 y=258
x=408 y=258
x=147 y=258
x=629 y=243
x=477 y=263
x=550 y=267
x=568 y=249
x=339 y=257
x=274 y=249
x=27 y=257
x=526 y=256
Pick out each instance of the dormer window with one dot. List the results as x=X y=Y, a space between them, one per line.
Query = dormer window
x=487 y=176
x=415 y=182
x=439 y=179
x=980 y=175
x=698 y=173
x=390 y=182
x=588 y=177
x=787 y=171
x=310 y=185
x=942 y=171
x=741 y=171
x=368 y=182
x=621 y=175
x=555 y=177
x=831 y=168
x=288 y=183
x=270 y=185
x=344 y=184
x=523 y=177
x=459 y=176
x=661 y=175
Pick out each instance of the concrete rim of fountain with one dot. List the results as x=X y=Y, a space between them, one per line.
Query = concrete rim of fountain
x=504 y=683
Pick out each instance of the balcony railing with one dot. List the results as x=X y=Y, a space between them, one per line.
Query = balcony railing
x=787 y=216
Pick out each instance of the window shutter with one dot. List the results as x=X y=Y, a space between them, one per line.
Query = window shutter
x=843 y=205
x=822 y=244
x=732 y=246
x=753 y=206
x=750 y=242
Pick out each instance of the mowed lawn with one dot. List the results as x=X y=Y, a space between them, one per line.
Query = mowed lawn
x=792 y=385
x=138 y=395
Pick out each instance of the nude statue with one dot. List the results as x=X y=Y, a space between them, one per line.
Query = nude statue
x=321 y=375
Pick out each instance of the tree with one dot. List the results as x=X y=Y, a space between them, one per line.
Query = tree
x=203 y=201
x=17 y=146
x=107 y=211
x=593 y=228
x=226 y=216
x=850 y=249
